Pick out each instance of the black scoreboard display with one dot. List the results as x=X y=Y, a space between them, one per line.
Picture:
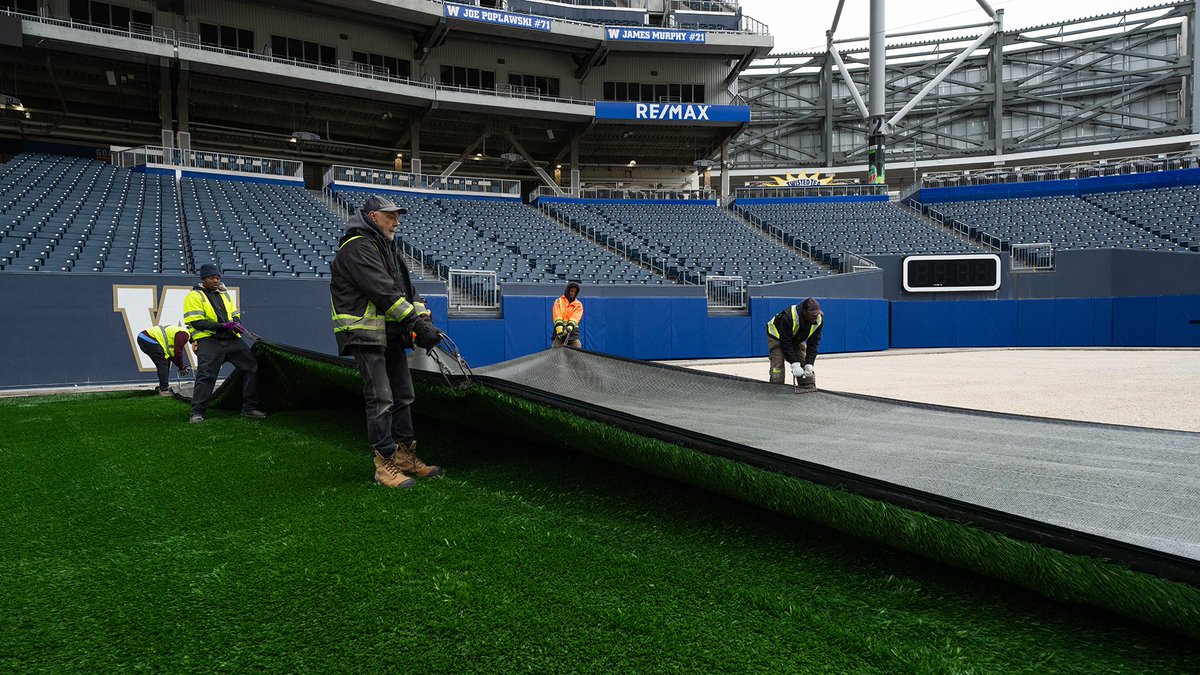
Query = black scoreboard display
x=947 y=273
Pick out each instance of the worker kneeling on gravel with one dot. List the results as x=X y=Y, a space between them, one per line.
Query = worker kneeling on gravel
x=793 y=336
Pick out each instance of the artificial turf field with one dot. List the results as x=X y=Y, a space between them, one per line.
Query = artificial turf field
x=133 y=541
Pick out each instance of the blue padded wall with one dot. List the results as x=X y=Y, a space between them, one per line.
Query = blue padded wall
x=1076 y=322
x=1134 y=322
x=1177 y=321
x=964 y=323
x=1168 y=321
x=727 y=337
x=481 y=341
x=527 y=324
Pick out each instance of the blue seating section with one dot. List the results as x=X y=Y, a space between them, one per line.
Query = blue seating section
x=515 y=241
x=694 y=240
x=829 y=230
x=67 y=214
x=1168 y=213
x=1067 y=222
x=259 y=229
x=71 y=214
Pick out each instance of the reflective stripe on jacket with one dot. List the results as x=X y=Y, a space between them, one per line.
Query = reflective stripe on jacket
x=366 y=275
x=788 y=328
x=196 y=307
x=567 y=313
x=165 y=336
x=773 y=331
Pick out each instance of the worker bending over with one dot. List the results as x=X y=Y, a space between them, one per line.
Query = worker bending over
x=793 y=336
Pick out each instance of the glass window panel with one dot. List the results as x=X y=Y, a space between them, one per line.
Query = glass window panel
x=209 y=34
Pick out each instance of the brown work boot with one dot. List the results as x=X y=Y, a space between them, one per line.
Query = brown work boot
x=408 y=462
x=387 y=473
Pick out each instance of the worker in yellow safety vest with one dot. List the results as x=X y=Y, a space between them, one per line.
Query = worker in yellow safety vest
x=165 y=345
x=794 y=336
x=216 y=325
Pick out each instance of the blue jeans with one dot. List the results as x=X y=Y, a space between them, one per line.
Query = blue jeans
x=388 y=394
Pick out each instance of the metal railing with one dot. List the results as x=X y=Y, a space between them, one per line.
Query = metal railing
x=852 y=262
x=630 y=193
x=188 y=40
x=1038 y=257
x=726 y=294
x=1089 y=169
x=335 y=204
x=788 y=191
x=201 y=159
x=499 y=187
x=137 y=31
x=965 y=229
x=473 y=291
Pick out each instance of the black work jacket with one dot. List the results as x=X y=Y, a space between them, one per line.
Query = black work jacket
x=373 y=297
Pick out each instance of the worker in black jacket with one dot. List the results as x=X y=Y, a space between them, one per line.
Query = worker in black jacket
x=376 y=315
x=794 y=336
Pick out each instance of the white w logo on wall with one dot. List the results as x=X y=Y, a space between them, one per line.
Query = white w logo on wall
x=143 y=307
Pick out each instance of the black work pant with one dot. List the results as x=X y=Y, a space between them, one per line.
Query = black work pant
x=777 y=360
x=388 y=393
x=161 y=362
x=211 y=354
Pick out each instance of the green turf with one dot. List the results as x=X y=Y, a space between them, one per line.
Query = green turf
x=130 y=540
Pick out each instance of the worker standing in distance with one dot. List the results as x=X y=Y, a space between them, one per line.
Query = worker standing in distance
x=567 y=314
x=794 y=336
x=376 y=316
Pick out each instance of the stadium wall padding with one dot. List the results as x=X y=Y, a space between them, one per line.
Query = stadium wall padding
x=1154 y=321
x=67 y=330
x=1075 y=187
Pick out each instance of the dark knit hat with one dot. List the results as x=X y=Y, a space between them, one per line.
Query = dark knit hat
x=810 y=308
x=209 y=270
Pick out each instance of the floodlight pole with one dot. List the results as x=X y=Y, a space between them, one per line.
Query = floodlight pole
x=876 y=131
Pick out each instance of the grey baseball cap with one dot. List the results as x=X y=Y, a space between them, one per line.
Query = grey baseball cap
x=380 y=203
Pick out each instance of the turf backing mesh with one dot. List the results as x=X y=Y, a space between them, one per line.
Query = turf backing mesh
x=550 y=408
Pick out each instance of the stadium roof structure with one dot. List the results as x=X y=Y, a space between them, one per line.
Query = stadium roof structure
x=85 y=84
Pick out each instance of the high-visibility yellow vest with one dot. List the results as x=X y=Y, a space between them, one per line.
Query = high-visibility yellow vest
x=196 y=307
x=165 y=335
x=774 y=332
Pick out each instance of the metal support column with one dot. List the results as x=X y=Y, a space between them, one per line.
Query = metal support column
x=165 y=112
x=183 y=96
x=576 y=177
x=876 y=131
x=827 y=96
x=725 y=167
x=1195 y=42
x=415 y=138
x=998 y=85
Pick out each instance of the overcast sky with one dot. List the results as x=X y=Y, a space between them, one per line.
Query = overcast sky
x=801 y=26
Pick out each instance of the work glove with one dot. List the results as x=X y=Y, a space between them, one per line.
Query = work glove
x=808 y=371
x=560 y=330
x=185 y=371
x=231 y=326
x=426 y=335
x=797 y=369
x=238 y=327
